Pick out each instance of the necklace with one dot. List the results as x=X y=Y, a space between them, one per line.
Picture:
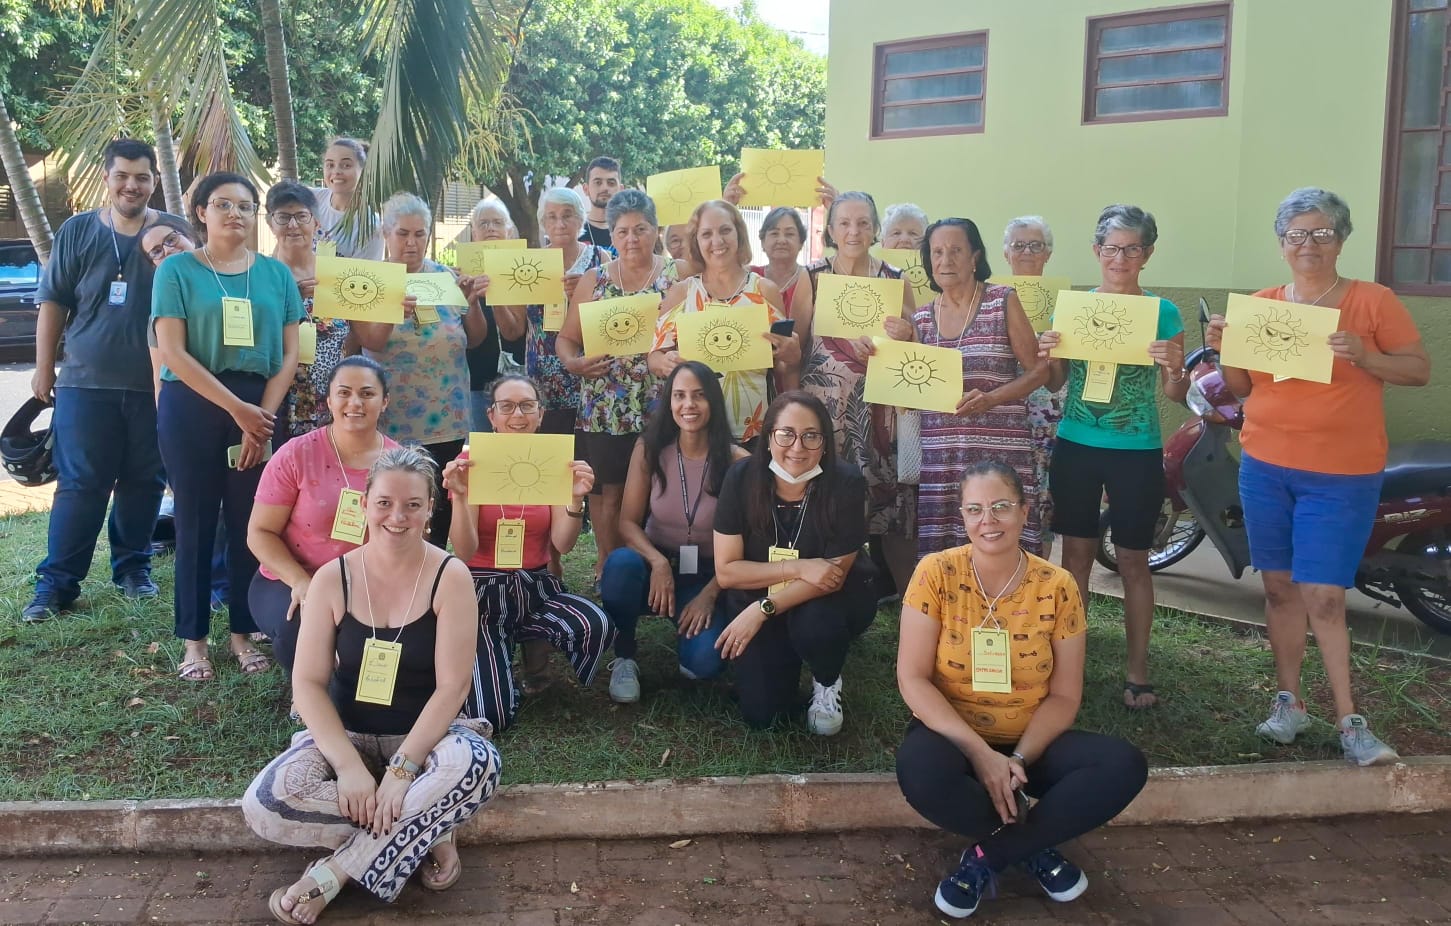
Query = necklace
x=212 y=266
x=1011 y=586
x=341 y=468
x=368 y=596
x=652 y=274
x=832 y=264
x=1316 y=301
x=745 y=278
x=972 y=306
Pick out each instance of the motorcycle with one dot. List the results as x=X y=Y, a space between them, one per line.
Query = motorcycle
x=1407 y=561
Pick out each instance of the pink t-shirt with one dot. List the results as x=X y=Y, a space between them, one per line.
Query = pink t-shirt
x=305 y=477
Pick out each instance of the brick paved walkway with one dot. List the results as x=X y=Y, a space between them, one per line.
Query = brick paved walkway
x=1393 y=869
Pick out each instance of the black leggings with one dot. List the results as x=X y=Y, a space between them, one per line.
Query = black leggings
x=818 y=632
x=1082 y=781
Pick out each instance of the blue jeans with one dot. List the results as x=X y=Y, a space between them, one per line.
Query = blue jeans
x=105 y=451
x=625 y=593
x=479 y=404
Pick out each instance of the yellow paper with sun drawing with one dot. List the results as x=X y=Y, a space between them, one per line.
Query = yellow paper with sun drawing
x=911 y=375
x=622 y=327
x=726 y=338
x=849 y=307
x=677 y=192
x=1039 y=296
x=1105 y=327
x=781 y=178
x=435 y=289
x=533 y=276
x=520 y=469
x=909 y=261
x=360 y=290
x=470 y=254
x=1287 y=339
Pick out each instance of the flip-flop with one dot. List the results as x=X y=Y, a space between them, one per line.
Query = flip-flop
x=252 y=661
x=1135 y=689
x=436 y=883
x=196 y=670
x=327 y=888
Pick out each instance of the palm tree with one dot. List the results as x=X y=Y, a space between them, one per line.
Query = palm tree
x=22 y=188
x=277 y=74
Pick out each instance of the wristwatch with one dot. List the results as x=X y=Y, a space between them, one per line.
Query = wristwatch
x=402 y=768
x=768 y=607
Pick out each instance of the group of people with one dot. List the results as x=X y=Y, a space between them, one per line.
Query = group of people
x=767 y=514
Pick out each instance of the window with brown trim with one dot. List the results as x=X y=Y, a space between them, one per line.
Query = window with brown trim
x=1415 y=245
x=1158 y=64
x=929 y=86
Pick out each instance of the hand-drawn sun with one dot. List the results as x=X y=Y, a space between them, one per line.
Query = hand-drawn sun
x=620 y=326
x=1036 y=299
x=779 y=171
x=918 y=371
x=426 y=292
x=359 y=288
x=917 y=276
x=1105 y=325
x=525 y=273
x=860 y=306
x=517 y=475
x=1277 y=335
x=724 y=340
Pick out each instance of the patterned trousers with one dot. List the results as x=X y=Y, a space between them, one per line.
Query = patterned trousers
x=294 y=801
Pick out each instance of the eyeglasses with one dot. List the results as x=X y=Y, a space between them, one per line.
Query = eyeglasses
x=1298 y=236
x=226 y=205
x=999 y=509
x=527 y=407
x=168 y=245
x=787 y=437
x=286 y=219
x=1032 y=247
x=496 y=224
x=1132 y=251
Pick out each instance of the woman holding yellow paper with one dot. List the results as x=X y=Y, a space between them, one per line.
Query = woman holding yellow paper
x=719 y=238
x=1108 y=441
x=1311 y=472
x=507 y=549
x=342 y=174
x=426 y=354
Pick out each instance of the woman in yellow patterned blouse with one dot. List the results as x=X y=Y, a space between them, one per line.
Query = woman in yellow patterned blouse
x=991 y=663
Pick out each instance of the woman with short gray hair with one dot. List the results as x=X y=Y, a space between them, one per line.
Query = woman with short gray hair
x=1109 y=441
x=1313 y=459
x=903 y=225
x=489 y=221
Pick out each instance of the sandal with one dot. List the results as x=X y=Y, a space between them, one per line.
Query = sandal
x=327 y=887
x=438 y=882
x=1136 y=690
x=252 y=661
x=196 y=670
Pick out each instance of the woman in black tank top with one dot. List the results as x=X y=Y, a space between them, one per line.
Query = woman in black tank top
x=386 y=769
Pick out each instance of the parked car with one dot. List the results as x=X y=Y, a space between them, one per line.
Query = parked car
x=19 y=279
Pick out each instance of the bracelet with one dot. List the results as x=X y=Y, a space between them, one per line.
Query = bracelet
x=1019 y=757
x=1179 y=378
x=575 y=514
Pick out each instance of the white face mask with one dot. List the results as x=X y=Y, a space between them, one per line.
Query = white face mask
x=789 y=479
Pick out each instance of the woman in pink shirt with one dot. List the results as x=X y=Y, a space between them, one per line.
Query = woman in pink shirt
x=308 y=507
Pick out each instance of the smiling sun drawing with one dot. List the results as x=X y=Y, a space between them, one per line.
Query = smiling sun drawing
x=526 y=273
x=724 y=340
x=517 y=474
x=860 y=306
x=1278 y=335
x=426 y=292
x=359 y=288
x=917 y=371
x=1105 y=325
x=620 y=327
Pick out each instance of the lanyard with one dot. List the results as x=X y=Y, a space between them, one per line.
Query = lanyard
x=685 y=493
x=368 y=596
x=116 y=243
x=347 y=483
x=806 y=499
x=1012 y=586
x=213 y=269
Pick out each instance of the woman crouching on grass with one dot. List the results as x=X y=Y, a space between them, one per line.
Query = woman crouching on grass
x=385 y=770
x=988 y=728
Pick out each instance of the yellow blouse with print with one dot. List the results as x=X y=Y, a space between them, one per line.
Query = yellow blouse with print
x=1043 y=608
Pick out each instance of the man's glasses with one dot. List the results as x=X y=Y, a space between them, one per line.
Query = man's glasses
x=787 y=437
x=170 y=244
x=1032 y=247
x=999 y=509
x=286 y=219
x=527 y=407
x=227 y=206
x=1298 y=236
x=1131 y=251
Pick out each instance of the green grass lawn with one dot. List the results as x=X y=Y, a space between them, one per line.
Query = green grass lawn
x=93 y=708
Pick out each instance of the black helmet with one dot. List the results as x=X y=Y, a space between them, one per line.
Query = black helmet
x=29 y=455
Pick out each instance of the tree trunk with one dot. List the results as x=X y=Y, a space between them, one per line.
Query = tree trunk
x=166 y=158
x=276 y=42
x=27 y=197
x=522 y=207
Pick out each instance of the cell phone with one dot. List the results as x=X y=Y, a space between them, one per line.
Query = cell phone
x=784 y=328
x=234 y=454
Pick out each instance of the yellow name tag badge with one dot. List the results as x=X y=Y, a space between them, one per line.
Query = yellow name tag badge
x=554 y=317
x=426 y=314
x=781 y=555
x=990 y=670
x=509 y=543
x=236 y=322
x=349 y=524
x=306 y=342
x=379 y=671
x=1099 y=382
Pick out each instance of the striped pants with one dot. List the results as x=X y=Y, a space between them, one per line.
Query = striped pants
x=295 y=802
x=517 y=605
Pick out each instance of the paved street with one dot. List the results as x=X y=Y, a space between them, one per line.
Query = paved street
x=1392 y=869
x=14 y=390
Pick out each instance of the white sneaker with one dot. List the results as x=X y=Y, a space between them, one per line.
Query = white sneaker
x=823 y=717
x=624 y=681
x=1287 y=720
x=1362 y=747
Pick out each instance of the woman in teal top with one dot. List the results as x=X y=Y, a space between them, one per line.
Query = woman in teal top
x=226 y=329
x=1109 y=441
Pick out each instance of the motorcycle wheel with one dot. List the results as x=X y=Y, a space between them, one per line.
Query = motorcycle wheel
x=1430 y=602
x=1185 y=536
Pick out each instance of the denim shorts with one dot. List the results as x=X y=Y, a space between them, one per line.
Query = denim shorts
x=1311 y=525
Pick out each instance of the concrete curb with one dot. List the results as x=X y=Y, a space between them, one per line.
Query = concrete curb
x=757 y=804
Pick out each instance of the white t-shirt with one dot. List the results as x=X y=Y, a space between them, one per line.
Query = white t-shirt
x=329 y=222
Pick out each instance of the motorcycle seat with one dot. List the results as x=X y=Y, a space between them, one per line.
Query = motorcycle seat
x=1419 y=468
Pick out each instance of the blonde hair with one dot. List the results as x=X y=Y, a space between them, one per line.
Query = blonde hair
x=414 y=460
x=743 y=233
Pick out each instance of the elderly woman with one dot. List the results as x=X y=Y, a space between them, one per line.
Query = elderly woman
x=342 y=172
x=675 y=243
x=615 y=393
x=226 y=326
x=782 y=236
x=835 y=373
x=1311 y=471
x=430 y=394
x=1114 y=446
x=1027 y=246
x=385 y=771
x=718 y=242
x=903 y=226
x=489 y=221
x=561 y=220
x=985 y=734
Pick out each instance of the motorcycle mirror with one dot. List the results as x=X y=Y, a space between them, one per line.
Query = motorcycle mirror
x=1203 y=311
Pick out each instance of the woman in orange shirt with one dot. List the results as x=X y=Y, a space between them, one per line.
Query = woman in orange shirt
x=1311 y=471
x=991 y=663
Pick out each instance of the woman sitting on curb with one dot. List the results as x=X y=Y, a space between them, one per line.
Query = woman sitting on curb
x=991 y=664
x=385 y=770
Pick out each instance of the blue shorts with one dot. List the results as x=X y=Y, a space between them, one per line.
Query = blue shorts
x=1311 y=525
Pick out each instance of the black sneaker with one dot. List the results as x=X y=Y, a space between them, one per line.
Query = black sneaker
x=960 y=892
x=45 y=605
x=138 y=585
x=1060 y=879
